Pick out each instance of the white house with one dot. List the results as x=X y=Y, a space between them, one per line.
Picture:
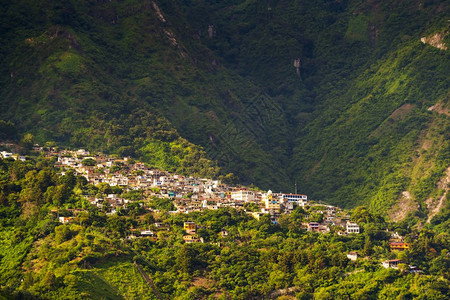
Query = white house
x=6 y=154
x=243 y=195
x=353 y=256
x=393 y=263
x=298 y=199
x=82 y=152
x=65 y=220
x=147 y=233
x=352 y=227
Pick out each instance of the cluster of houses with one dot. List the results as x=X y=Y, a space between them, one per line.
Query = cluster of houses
x=196 y=194
x=189 y=193
x=395 y=263
x=397 y=243
x=15 y=156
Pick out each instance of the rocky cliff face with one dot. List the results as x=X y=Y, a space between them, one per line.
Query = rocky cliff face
x=435 y=40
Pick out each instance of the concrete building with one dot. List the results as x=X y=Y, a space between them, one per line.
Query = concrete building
x=271 y=203
x=353 y=256
x=294 y=199
x=243 y=195
x=393 y=263
x=352 y=227
x=190 y=227
x=398 y=246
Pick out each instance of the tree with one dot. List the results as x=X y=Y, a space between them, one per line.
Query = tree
x=230 y=178
x=104 y=188
x=90 y=162
x=27 y=141
x=62 y=234
x=116 y=224
x=367 y=251
x=403 y=267
x=251 y=206
x=184 y=259
x=49 y=280
x=316 y=217
x=69 y=179
x=149 y=219
x=83 y=218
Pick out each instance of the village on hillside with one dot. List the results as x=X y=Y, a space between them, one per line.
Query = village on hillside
x=192 y=194
x=188 y=193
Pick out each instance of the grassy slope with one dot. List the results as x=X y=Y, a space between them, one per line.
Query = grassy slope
x=118 y=280
x=369 y=143
x=51 y=267
x=91 y=257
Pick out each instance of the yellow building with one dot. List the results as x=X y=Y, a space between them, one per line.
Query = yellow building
x=271 y=203
x=191 y=239
x=190 y=227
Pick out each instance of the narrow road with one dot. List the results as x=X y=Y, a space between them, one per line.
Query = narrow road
x=148 y=280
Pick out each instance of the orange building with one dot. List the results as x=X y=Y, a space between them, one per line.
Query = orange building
x=399 y=246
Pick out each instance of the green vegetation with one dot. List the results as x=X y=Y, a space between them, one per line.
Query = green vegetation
x=363 y=122
x=93 y=256
x=352 y=127
x=358 y=29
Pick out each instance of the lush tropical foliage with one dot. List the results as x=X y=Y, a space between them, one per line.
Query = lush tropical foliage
x=92 y=257
x=348 y=100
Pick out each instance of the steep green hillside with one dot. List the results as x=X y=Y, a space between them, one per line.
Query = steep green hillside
x=369 y=149
x=361 y=99
x=110 y=75
x=333 y=95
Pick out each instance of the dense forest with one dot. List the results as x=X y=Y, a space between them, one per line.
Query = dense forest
x=93 y=256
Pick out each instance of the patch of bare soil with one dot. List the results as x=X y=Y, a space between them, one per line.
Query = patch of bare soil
x=397 y=115
x=207 y=284
x=440 y=109
x=435 y=206
x=202 y=282
x=317 y=165
x=404 y=206
x=401 y=112
x=436 y=40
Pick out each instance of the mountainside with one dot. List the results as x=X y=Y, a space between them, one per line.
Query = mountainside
x=349 y=99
